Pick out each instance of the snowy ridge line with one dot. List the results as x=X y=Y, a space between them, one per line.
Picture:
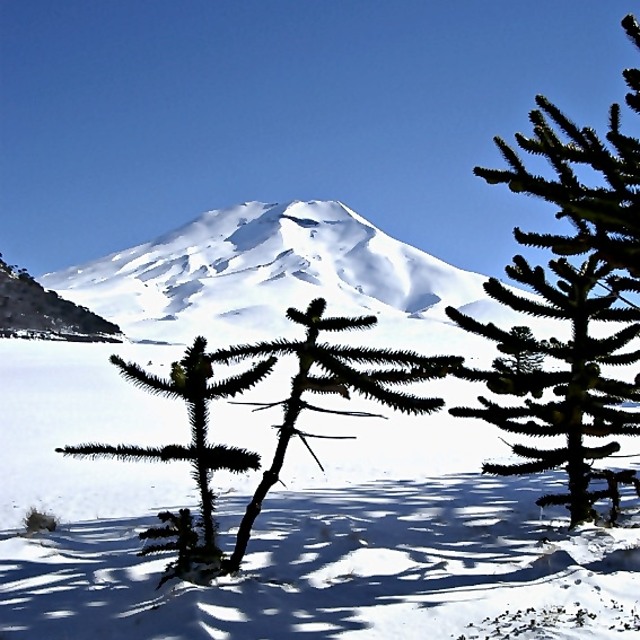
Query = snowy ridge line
x=265 y=257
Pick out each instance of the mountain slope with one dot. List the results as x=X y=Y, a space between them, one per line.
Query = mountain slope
x=246 y=264
x=27 y=310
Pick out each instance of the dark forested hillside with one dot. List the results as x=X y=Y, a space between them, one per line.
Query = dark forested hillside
x=28 y=310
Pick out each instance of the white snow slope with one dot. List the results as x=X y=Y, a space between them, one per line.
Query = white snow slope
x=252 y=261
x=400 y=538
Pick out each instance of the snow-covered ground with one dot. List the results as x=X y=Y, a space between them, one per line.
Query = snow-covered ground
x=402 y=537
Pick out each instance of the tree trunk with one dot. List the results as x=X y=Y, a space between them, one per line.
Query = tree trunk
x=269 y=478
x=198 y=418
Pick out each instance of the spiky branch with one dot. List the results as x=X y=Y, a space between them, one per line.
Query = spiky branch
x=325 y=369
x=605 y=214
x=190 y=381
x=587 y=404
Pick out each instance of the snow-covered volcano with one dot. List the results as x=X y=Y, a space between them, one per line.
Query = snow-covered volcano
x=247 y=263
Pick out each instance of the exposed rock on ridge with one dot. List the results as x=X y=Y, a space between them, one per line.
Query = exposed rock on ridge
x=27 y=310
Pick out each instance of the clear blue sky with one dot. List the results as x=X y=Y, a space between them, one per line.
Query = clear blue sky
x=123 y=119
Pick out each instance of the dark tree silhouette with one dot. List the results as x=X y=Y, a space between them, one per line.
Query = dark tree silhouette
x=517 y=361
x=605 y=212
x=190 y=381
x=328 y=369
x=586 y=402
x=178 y=534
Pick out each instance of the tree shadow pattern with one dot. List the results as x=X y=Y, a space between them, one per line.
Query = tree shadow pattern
x=419 y=541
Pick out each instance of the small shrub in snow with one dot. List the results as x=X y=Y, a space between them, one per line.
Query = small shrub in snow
x=36 y=521
x=194 y=563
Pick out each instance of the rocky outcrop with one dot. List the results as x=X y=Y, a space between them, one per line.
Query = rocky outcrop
x=27 y=310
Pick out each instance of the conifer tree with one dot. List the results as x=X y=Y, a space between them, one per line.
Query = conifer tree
x=587 y=402
x=605 y=212
x=518 y=359
x=190 y=381
x=178 y=534
x=328 y=369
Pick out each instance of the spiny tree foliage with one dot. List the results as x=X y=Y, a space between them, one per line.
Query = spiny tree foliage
x=178 y=534
x=605 y=216
x=518 y=358
x=328 y=369
x=190 y=381
x=587 y=403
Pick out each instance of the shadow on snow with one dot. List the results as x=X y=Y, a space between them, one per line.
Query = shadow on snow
x=317 y=561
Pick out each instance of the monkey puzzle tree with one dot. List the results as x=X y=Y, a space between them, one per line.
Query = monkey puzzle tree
x=328 y=369
x=605 y=212
x=587 y=402
x=190 y=381
x=518 y=359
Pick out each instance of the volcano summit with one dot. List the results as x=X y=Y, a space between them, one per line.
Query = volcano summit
x=247 y=263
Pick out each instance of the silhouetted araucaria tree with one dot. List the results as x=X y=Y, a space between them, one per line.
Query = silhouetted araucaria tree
x=595 y=177
x=190 y=381
x=585 y=402
x=331 y=370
